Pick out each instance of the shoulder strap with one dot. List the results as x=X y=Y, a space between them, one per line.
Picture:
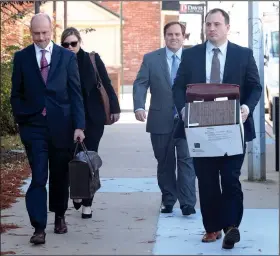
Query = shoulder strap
x=92 y=58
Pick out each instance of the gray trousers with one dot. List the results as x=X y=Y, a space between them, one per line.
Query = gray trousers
x=172 y=188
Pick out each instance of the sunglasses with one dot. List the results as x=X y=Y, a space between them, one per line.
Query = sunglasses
x=66 y=45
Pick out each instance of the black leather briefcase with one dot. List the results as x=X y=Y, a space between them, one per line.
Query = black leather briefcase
x=84 y=173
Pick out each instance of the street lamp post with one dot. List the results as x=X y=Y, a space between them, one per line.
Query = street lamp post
x=256 y=148
x=37 y=6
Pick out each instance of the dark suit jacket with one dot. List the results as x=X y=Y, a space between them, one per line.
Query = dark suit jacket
x=240 y=68
x=95 y=112
x=61 y=95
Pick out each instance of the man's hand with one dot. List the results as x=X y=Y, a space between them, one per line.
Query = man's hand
x=79 y=134
x=115 y=117
x=183 y=113
x=244 y=112
x=140 y=115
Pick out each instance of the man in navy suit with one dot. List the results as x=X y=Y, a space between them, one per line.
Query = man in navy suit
x=220 y=61
x=48 y=107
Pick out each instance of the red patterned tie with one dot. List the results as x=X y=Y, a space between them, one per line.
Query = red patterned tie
x=44 y=72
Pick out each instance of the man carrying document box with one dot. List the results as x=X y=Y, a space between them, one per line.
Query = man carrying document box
x=218 y=63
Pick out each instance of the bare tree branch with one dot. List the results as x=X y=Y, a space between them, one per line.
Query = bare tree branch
x=12 y=17
x=13 y=5
x=6 y=8
x=4 y=3
x=8 y=14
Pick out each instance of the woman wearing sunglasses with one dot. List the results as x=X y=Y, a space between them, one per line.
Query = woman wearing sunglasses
x=94 y=110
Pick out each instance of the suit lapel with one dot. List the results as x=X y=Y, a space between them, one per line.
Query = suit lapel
x=164 y=65
x=54 y=60
x=230 y=57
x=34 y=62
x=201 y=59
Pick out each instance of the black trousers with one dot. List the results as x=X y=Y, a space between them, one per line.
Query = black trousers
x=221 y=200
x=43 y=156
x=93 y=135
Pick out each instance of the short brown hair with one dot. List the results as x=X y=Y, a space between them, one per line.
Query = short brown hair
x=169 y=24
x=223 y=12
x=69 y=32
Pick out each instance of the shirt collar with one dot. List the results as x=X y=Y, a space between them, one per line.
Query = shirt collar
x=169 y=53
x=210 y=47
x=48 y=48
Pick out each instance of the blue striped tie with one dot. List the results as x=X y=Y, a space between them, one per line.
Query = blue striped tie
x=174 y=69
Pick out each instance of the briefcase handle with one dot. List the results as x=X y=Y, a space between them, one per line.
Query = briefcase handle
x=78 y=142
x=84 y=149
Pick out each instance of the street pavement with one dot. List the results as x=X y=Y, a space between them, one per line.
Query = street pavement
x=126 y=218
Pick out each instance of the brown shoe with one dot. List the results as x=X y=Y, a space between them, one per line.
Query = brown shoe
x=232 y=236
x=60 y=226
x=211 y=237
x=38 y=238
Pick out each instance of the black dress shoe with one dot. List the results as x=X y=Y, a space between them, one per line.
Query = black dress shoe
x=60 y=226
x=77 y=206
x=232 y=236
x=86 y=216
x=166 y=209
x=39 y=237
x=187 y=210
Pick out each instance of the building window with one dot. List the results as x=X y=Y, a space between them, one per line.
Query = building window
x=170 y=5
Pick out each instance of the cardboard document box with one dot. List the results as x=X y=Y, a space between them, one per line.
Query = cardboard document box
x=213 y=122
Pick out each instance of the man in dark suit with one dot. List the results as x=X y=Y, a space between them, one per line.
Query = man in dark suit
x=216 y=61
x=48 y=107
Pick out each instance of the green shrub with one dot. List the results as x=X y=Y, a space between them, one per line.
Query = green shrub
x=7 y=124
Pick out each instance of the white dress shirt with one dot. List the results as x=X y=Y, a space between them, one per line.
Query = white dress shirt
x=222 y=58
x=169 y=59
x=209 y=56
x=48 y=54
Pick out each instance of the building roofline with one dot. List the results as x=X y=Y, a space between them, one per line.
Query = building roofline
x=105 y=8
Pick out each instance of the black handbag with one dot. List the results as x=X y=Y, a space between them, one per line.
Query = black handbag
x=84 y=173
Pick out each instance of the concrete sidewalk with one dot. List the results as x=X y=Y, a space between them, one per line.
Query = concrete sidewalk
x=126 y=217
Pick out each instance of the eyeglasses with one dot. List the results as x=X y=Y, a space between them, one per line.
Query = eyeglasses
x=66 y=45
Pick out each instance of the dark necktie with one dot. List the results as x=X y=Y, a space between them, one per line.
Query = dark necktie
x=44 y=72
x=215 y=68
